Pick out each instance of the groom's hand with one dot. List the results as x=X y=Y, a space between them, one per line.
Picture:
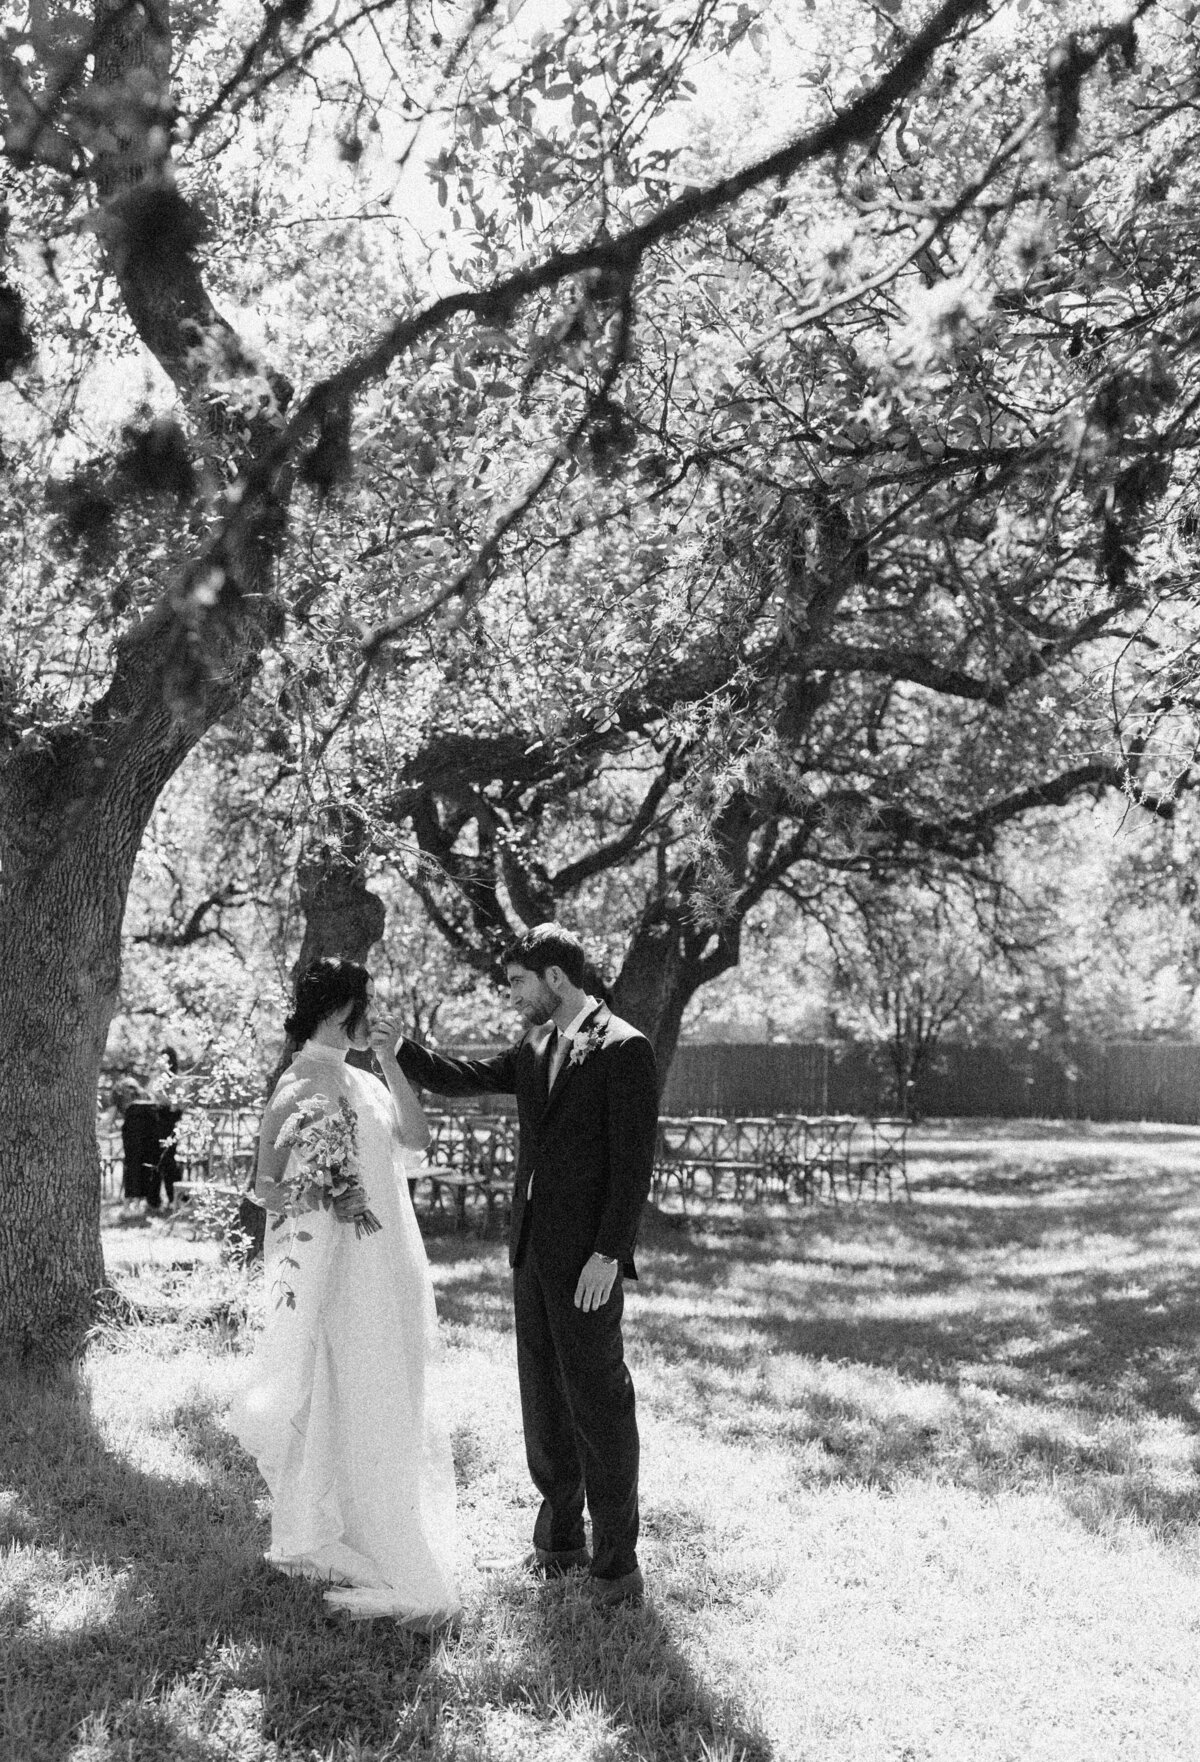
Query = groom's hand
x=596 y=1281
x=385 y=1033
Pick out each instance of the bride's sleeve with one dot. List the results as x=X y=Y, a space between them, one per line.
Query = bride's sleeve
x=412 y=1128
x=271 y=1161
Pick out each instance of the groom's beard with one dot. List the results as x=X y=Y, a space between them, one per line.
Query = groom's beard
x=539 y=1013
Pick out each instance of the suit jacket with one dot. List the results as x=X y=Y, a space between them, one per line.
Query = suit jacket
x=587 y=1144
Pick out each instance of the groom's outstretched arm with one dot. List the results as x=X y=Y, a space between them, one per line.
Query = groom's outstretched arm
x=458 y=1076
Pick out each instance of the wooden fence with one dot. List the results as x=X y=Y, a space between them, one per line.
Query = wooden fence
x=1130 y=1080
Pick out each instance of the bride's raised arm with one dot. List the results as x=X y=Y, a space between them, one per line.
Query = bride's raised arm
x=414 y=1128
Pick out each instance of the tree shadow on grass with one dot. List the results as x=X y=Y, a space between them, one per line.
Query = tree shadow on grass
x=620 y=1667
x=1030 y=1321
x=139 y=1607
x=472 y=1281
x=1088 y=1276
x=162 y=1594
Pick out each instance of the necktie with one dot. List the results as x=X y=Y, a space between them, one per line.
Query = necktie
x=552 y=1050
x=554 y=1062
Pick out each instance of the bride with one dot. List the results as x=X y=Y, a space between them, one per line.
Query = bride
x=334 y=1403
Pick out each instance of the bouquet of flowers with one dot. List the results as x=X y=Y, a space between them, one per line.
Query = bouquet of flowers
x=323 y=1138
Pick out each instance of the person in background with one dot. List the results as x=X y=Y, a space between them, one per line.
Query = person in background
x=140 y=1146
x=165 y=1172
x=148 y=1122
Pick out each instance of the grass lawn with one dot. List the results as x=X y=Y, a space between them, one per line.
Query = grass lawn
x=920 y=1483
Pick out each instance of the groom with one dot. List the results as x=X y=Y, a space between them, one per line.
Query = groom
x=587 y=1099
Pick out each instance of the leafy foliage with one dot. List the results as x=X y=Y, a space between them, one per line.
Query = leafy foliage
x=637 y=459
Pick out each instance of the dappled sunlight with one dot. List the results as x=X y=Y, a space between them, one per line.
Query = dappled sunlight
x=472 y=1284
x=17 y=1521
x=923 y=1472
x=63 y=1596
x=932 y=1569
x=163 y=1540
x=1096 y=1282
x=150 y=1242
x=987 y=1338
x=578 y=1732
x=598 y=1675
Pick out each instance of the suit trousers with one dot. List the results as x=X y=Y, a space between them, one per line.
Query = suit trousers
x=578 y=1411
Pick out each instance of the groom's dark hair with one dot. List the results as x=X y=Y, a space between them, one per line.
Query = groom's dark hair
x=326 y=986
x=548 y=945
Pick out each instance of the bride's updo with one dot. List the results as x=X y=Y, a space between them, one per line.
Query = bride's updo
x=323 y=989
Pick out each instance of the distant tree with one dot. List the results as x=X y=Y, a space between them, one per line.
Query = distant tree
x=907 y=964
x=1101 y=944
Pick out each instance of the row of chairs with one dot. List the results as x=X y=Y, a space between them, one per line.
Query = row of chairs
x=798 y=1157
x=472 y=1157
x=804 y=1157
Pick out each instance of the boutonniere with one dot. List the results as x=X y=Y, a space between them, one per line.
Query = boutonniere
x=584 y=1046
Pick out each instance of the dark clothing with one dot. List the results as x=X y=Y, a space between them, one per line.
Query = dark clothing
x=577 y=1409
x=168 y=1167
x=587 y=1145
x=149 y=1160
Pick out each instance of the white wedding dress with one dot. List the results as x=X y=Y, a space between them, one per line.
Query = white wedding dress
x=334 y=1402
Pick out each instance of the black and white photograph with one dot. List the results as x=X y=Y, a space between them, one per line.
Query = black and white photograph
x=600 y=881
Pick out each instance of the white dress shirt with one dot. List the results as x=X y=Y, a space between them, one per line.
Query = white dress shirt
x=567 y=1035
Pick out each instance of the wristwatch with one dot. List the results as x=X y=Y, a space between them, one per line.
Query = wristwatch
x=608 y=1259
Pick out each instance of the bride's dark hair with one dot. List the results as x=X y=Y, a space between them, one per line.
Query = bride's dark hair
x=322 y=989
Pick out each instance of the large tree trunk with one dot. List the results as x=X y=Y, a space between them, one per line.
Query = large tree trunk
x=674 y=951
x=59 y=1000
x=669 y=958
x=342 y=916
x=59 y=946
x=75 y=803
x=653 y=988
x=74 y=813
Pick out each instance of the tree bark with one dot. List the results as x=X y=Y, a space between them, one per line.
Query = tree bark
x=669 y=958
x=75 y=808
x=341 y=915
x=75 y=801
x=57 y=948
x=653 y=987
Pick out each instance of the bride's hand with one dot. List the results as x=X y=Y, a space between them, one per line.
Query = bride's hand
x=348 y=1206
x=384 y=1034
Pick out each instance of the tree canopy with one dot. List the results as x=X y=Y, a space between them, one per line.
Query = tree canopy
x=455 y=408
x=896 y=482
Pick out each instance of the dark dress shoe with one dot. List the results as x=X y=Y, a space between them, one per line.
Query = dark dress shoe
x=629 y=1589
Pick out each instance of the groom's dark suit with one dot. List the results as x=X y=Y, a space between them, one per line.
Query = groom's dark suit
x=583 y=1174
